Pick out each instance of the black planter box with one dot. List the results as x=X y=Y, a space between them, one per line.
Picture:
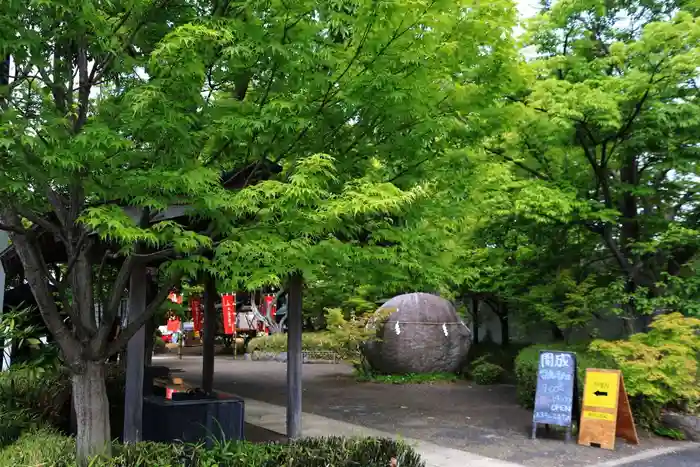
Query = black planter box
x=193 y=420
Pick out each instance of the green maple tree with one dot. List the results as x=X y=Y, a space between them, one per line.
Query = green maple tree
x=246 y=140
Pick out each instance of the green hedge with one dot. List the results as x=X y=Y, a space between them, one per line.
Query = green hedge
x=29 y=395
x=320 y=341
x=46 y=447
x=527 y=361
x=485 y=373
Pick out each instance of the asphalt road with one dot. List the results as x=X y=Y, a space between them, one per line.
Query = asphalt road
x=687 y=458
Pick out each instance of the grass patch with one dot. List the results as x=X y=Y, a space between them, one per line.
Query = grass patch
x=410 y=378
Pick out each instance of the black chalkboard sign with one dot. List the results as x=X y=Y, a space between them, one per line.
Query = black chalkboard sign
x=556 y=397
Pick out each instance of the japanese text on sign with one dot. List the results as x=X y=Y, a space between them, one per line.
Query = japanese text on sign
x=228 y=305
x=554 y=397
x=552 y=360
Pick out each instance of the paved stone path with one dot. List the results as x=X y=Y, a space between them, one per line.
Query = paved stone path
x=484 y=421
x=273 y=417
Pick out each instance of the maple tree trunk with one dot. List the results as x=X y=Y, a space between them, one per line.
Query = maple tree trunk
x=93 y=436
x=475 y=321
x=505 y=327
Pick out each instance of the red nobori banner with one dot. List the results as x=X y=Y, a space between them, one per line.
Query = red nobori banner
x=197 y=315
x=228 y=306
x=270 y=306
x=174 y=324
x=175 y=298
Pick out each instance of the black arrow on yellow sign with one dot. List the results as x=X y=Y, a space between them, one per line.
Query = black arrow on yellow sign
x=600 y=393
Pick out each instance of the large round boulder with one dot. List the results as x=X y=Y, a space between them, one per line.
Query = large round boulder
x=418 y=333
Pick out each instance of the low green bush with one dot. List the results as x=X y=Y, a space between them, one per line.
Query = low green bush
x=159 y=345
x=495 y=353
x=14 y=422
x=39 y=447
x=342 y=337
x=318 y=341
x=45 y=447
x=660 y=366
x=485 y=373
x=44 y=394
x=41 y=392
x=408 y=378
x=347 y=452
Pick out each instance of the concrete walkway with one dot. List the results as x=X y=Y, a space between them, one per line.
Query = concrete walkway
x=273 y=417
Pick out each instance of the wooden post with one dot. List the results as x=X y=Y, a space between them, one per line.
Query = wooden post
x=7 y=345
x=181 y=339
x=209 y=333
x=294 y=356
x=133 y=395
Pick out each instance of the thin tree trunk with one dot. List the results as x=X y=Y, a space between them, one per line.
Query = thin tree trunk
x=92 y=412
x=557 y=334
x=475 y=320
x=505 y=328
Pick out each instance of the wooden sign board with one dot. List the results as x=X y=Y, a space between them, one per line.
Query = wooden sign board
x=556 y=396
x=606 y=412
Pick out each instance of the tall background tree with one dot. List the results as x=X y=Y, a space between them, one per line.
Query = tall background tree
x=604 y=129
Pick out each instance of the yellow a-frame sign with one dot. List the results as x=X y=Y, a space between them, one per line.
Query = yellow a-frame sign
x=606 y=412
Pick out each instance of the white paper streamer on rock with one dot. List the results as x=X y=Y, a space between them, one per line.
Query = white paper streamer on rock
x=397 y=328
x=444 y=329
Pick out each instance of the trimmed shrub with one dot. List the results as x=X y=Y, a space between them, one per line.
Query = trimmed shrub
x=408 y=378
x=45 y=395
x=39 y=447
x=485 y=373
x=319 y=341
x=47 y=447
x=347 y=452
x=15 y=422
x=342 y=337
x=659 y=367
x=159 y=345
